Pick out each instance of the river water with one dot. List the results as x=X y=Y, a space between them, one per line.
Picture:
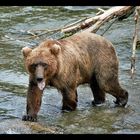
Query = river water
x=106 y=119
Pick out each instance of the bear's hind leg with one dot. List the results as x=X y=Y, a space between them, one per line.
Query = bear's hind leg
x=113 y=87
x=98 y=93
x=120 y=94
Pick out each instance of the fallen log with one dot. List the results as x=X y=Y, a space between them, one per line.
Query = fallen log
x=91 y=24
x=94 y=23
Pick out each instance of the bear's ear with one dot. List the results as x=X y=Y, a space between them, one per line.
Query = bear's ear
x=26 y=51
x=55 y=49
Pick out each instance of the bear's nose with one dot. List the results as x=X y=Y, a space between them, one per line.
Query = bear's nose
x=39 y=79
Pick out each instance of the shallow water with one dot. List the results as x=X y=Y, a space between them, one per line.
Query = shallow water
x=105 y=119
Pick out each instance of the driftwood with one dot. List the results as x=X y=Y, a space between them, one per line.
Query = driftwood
x=135 y=41
x=94 y=23
x=91 y=24
x=133 y=58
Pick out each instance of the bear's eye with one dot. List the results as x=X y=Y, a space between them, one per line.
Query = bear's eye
x=44 y=65
x=33 y=65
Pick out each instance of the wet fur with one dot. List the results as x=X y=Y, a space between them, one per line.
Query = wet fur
x=81 y=58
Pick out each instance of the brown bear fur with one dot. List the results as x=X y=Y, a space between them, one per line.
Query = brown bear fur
x=67 y=63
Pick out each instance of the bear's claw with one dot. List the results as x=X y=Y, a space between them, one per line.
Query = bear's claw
x=99 y=103
x=122 y=101
x=119 y=103
x=29 y=118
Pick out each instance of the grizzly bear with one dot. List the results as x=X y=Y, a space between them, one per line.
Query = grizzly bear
x=65 y=64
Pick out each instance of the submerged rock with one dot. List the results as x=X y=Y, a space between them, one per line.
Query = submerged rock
x=16 y=126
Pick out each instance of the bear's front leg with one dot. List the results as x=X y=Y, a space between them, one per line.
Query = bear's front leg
x=34 y=97
x=69 y=99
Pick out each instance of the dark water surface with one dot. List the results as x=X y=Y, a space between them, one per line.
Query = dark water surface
x=105 y=119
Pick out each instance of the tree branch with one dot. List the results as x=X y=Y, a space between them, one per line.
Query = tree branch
x=135 y=39
x=94 y=23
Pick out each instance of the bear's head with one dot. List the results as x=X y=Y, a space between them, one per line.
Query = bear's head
x=42 y=62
